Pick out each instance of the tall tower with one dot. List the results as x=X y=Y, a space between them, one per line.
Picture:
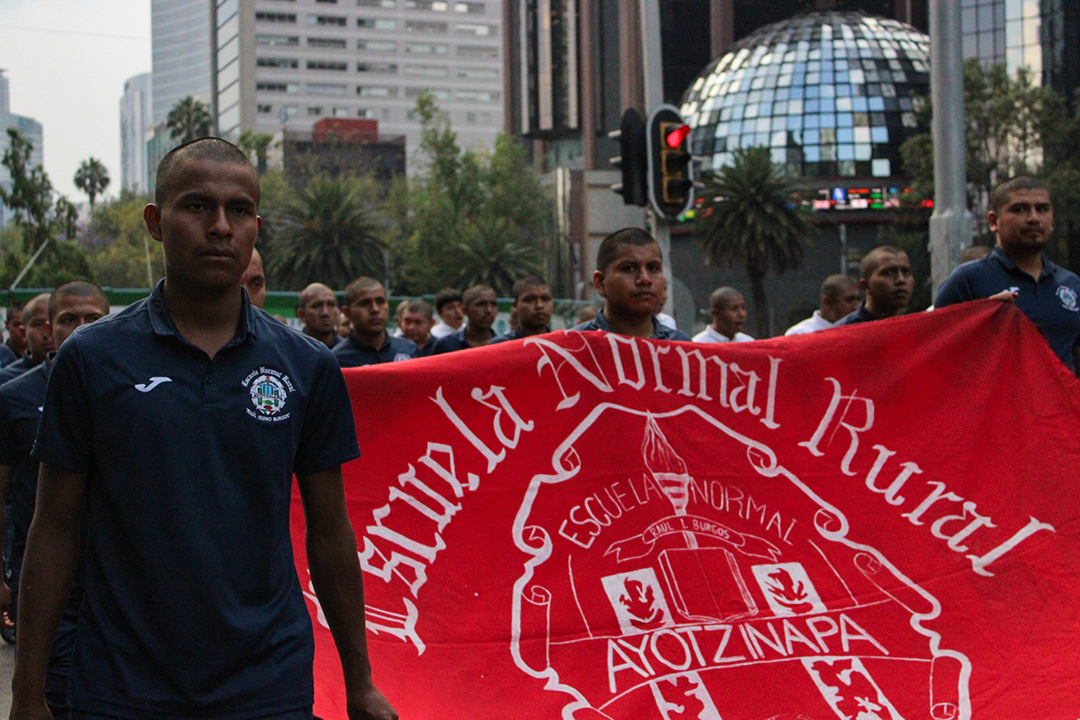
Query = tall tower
x=29 y=128
x=180 y=35
x=135 y=129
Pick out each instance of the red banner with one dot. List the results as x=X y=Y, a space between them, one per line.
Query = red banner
x=877 y=521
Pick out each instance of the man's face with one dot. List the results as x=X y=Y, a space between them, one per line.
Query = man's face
x=634 y=283
x=16 y=331
x=38 y=338
x=847 y=302
x=344 y=325
x=891 y=284
x=483 y=310
x=453 y=313
x=729 y=318
x=369 y=312
x=416 y=327
x=255 y=281
x=1024 y=223
x=208 y=224
x=73 y=312
x=320 y=313
x=534 y=307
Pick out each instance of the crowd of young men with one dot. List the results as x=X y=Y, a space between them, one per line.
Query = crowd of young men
x=150 y=578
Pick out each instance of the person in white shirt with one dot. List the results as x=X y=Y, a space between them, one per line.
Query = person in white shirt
x=451 y=311
x=728 y=310
x=839 y=298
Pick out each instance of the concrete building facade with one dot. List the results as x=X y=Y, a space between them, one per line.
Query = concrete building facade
x=29 y=128
x=285 y=65
x=136 y=127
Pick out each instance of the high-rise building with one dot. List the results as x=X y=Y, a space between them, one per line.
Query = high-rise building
x=30 y=129
x=286 y=65
x=135 y=130
x=180 y=38
x=1041 y=36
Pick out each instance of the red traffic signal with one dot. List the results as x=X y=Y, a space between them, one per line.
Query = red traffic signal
x=671 y=172
x=676 y=137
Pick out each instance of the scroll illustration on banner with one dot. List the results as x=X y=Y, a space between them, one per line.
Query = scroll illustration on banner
x=585 y=526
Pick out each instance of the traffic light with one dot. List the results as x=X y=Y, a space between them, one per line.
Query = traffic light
x=671 y=175
x=632 y=159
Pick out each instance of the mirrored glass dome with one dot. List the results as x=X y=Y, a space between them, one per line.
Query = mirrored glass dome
x=829 y=92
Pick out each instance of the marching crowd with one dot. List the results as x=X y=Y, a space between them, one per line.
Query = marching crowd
x=127 y=449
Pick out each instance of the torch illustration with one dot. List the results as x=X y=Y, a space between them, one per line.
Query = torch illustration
x=669 y=471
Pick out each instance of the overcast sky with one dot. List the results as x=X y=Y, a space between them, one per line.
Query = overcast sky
x=66 y=62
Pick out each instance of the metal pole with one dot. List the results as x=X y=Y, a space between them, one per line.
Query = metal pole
x=950 y=225
x=653 y=66
x=30 y=264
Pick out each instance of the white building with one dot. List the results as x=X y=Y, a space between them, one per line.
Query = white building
x=29 y=128
x=284 y=64
x=180 y=39
x=136 y=127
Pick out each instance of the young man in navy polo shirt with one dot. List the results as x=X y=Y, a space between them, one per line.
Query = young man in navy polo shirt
x=1022 y=218
x=38 y=343
x=178 y=424
x=885 y=276
x=481 y=309
x=72 y=305
x=630 y=277
x=534 y=307
x=368 y=343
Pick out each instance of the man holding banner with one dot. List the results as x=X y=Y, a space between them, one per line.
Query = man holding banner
x=178 y=425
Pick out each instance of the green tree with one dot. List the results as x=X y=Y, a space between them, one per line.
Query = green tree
x=494 y=258
x=120 y=245
x=752 y=215
x=256 y=146
x=92 y=178
x=189 y=120
x=329 y=233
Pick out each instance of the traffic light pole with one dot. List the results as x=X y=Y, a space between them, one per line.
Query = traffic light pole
x=652 y=65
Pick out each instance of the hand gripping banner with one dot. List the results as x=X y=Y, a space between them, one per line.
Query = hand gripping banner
x=871 y=523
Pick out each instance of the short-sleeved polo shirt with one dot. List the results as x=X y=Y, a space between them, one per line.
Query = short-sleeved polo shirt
x=862 y=315
x=17 y=368
x=193 y=607
x=660 y=331
x=7 y=355
x=1052 y=302
x=20 y=411
x=453 y=342
x=350 y=352
x=515 y=334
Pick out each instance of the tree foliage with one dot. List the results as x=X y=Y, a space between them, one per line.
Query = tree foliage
x=189 y=120
x=119 y=244
x=256 y=146
x=751 y=215
x=92 y=178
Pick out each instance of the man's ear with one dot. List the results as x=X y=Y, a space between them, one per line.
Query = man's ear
x=347 y=312
x=864 y=285
x=992 y=221
x=598 y=282
x=152 y=218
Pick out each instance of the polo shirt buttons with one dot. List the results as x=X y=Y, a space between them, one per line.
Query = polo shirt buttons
x=209 y=379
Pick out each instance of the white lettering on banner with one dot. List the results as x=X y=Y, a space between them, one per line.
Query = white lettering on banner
x=855 y=425
x=702 y=647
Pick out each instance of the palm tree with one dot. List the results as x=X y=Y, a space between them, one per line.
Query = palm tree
x=490 y=256
x=752 y=214
x=327 y=234
x=189 y=120
x=256 y=145
x=92 y=178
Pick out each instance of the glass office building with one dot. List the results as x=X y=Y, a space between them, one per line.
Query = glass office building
x=830 y=93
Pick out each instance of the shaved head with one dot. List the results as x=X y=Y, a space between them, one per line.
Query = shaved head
x=204 y=149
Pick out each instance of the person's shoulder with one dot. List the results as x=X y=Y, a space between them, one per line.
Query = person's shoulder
x=132 y=319
x=1064 y=276
x=593 y=324
x=401 y=344
x=673 y=334
x=269 y=329
x=850 y=319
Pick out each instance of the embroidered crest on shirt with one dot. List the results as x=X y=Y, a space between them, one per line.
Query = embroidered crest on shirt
x=269 y=390
x=1068 y=298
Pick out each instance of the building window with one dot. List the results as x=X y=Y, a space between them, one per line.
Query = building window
x=277 y=87
x=376 y=45
x=338 y=43
x=287 y=63
x=415 y=92
x=314 y=111
x=341 y=112
x=264 y=109
x=427 y=48
x=426 y=26
x=277 y=40
x=476 y=95
x=478 y=52
x=326 y=89
x=326 y=65
x=435 y=71
x=390 y=4
x=326 y=20
x=275 y=17
x=478 y=74
x=366 y=67
x=376 y=23
x=474 y=29
x=376 y=91
x=433 y=5
x=473 y=8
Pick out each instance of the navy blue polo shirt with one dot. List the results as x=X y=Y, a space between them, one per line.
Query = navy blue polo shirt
x=428 y=348
x=453 y=342
x=7 y=355
x=859 y=316
x=515 y=334
x=17 y=368
x=1052 y=302
x=192 y=603
x=20 y=410
x=660 y=331
x=350 y=352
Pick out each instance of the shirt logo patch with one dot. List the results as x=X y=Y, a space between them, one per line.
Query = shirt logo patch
x=401 y=356
x=1068 y=298
x=269 y=390
x=154 y=382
